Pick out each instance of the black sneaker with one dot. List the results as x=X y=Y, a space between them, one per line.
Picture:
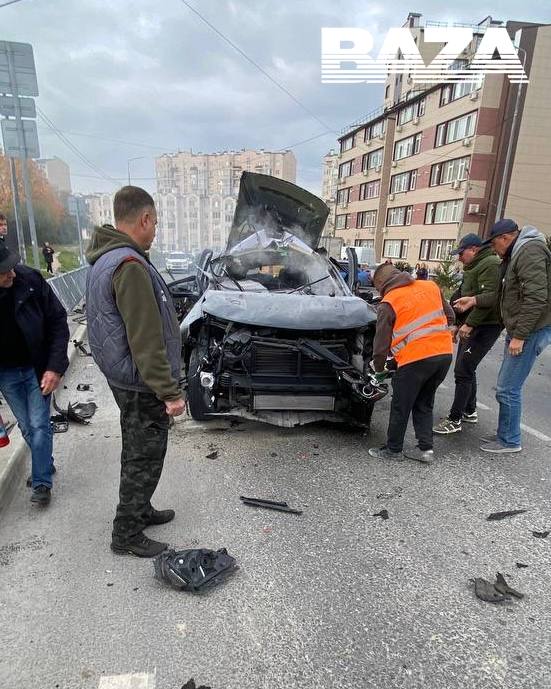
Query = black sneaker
x=41 y=495
x=30 y=476
x=140 y=546
x=160 y=517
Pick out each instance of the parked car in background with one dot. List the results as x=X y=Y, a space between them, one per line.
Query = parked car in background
x=275 y=333
x=178 y=262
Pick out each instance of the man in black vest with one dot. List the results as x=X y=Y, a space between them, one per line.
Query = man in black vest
x=134 y=336
x=33 y=356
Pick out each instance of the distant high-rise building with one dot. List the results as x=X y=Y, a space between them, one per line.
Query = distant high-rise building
x=197 y=193
x=439 y=160
x=100 y=211
x=57 y=172
x=329 y=188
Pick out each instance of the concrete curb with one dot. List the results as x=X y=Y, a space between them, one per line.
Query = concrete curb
x=13 y=469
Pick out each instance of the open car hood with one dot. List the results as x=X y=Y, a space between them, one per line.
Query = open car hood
x=276 y=206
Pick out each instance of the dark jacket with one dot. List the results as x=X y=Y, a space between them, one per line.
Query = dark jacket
x=524 y=294
x=482 y=277
x=42 y=320
x=386 y=319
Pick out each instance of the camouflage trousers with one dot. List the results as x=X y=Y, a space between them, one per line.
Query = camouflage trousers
x=144 y=431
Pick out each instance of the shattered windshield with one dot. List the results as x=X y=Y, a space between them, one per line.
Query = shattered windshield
x=263 y=263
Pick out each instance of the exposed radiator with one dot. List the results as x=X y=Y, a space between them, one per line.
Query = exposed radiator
x=294 y=402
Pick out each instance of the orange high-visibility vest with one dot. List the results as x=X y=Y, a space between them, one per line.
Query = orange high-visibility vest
x=421 y=327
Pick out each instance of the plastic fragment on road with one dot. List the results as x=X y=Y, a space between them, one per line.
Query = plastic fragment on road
x=194 y=570
x=79 y=344
x=540 y=534
x=269 y=504
x=383 y=514
x=496 y=516
x=84 y=387
x=521 y=565
x=212 y=455
x=498 y=592
x=190 y=684
x=81 y=412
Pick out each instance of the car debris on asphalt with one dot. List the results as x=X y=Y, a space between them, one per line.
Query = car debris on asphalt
x=497 y=516
x=383 y=514
x=498 y=592
x=269 y=504
x=212 y=455
x=540 y=534
x=195 y=569
x=81 y=412
x=190 y=684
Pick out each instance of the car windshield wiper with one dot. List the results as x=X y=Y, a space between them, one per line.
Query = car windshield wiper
x=308 y=284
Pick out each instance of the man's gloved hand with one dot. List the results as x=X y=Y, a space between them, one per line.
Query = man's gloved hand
x=380 y=376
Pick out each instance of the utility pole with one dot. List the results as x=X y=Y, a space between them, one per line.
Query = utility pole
x=23 y=148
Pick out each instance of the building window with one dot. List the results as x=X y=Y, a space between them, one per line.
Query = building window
x=401 y=215
x=407 y=147
x=395 y=248
x=347 y=144
x=403 y=182
x=410 y=111
x=451 y=92
x=450 y=171
x=443 y=212
x=454 y=130
x=369 y=243
x=366 y=219
x=377 y=129
x=435 y=249
x=342 y=222
x=345 y=169
x=370 y=190
x=343 y=195
x=372 y=160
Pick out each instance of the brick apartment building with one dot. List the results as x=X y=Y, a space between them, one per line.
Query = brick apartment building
x=436 y=162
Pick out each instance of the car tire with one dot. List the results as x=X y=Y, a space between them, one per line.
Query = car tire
x=200 y=406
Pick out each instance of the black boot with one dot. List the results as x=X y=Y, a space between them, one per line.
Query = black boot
x=159 y=517
x=140 y=546
x=41 y=496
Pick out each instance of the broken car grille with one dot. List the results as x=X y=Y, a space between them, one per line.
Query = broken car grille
x=274 y=360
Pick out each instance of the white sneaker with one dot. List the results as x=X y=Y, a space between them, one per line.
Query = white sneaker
x=470 y=418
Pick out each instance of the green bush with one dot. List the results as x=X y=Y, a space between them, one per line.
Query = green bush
x=404 y=266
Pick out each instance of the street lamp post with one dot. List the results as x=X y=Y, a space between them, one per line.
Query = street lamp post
x=129 y=160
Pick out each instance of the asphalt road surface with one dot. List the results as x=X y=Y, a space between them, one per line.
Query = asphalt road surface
x=334 y=598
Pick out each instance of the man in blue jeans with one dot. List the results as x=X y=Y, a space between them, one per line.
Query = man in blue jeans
x=33 y=356
x=524 y=299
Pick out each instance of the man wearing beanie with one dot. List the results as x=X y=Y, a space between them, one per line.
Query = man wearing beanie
x=524 y=300
x=412 y=326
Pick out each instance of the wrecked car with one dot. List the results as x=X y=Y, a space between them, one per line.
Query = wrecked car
x=271 y=330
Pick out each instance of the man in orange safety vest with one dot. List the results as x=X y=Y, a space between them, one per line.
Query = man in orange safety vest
x=412 y=327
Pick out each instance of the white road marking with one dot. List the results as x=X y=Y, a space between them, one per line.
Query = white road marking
x=527 y=429
x=535 y=433
x=141 y=680
x=483 y=406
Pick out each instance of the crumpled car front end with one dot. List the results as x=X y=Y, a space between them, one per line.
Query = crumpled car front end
x=277 y=335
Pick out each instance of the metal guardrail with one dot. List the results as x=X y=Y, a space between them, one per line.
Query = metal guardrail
x=70 y=287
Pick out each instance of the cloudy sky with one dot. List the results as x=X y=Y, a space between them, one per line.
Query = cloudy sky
x=124 y=79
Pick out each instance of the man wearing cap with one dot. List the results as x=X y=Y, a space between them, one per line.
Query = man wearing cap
x=33 y=356
x=524 y=302
x=478 y=331
x=412 y=325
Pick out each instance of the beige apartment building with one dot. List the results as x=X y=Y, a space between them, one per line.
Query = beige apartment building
x=437 y=161
x=197 y=193
x=329 y=184
x=57 y=172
